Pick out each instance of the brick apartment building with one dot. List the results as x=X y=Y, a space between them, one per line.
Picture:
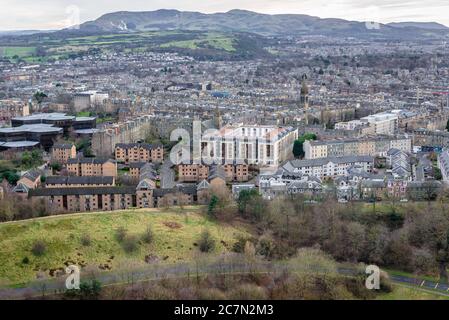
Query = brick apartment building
x=138 y=152
x=62 y=152
x=237 y=171
x=86 y=167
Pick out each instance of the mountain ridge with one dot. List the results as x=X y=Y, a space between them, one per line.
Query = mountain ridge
x=238 y=20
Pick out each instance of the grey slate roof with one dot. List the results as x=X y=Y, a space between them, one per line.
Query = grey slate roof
x=146 y=146
x=79 y=180
x=90 y=160
x=323 y=161
x=41 y=192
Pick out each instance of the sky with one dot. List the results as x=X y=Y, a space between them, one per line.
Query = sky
x=57 y=14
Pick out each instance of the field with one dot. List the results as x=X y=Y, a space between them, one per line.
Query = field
x=64 y=48
x=176 y=235
x=406 y=293
x=10 y=52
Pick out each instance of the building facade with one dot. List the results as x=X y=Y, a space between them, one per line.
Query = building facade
x=139 y=152
x=85 y=167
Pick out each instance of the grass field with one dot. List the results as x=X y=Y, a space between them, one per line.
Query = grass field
x=64 y=48
x=406 y=293
x=9 y=52
x=175 y=236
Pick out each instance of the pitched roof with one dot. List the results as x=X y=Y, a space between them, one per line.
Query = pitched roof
x=79 y=180
x=42 y=192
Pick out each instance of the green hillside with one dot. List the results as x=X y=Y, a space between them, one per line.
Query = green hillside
x=176 y=235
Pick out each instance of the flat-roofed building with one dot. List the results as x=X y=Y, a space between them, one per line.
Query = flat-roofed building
x=383 y=123
x=330 y=167
x=43 y=134
x=253 y=144
x=370 y=146
x=56 y=119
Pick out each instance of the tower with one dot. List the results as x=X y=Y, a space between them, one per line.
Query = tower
x=217 y=118
x=304 y=97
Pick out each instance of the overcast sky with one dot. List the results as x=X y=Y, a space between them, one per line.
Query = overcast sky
x=56 y=14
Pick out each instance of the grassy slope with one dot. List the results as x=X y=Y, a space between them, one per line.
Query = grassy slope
x=144 y=40
x=406 y=293
x=62 y=235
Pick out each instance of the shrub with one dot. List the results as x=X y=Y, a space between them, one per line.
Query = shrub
x=148 y=236
x=88 y=291
x=120 y=234
x=25 y=260
x=130 y=244
x=207 y=242
x=239 y=246
x=85 y=240
x=39 y=248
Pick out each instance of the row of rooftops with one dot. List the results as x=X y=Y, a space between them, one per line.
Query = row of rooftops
x=42 y=192
x=32 y=128
x=79 y=180
x=289 y=166
x=53 y=116
x=89 y=161
x=146 y=146
x=373 y=138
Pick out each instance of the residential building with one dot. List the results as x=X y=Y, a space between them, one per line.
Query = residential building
x=139 y=152
x=79 y=182
x=12 y=108
x=370 y=146
x=330 y=167
x=92 y=167
x=62 y=152
x=253 y=144
x=383 y=123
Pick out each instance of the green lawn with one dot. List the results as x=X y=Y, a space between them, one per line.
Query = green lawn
x=175 y=236
x=9 y=52
x=401 y=292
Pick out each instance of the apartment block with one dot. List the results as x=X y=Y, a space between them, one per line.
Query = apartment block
x=192 y=172
x=12 y=108
x=253 y=144
x=330 y=167
x=92 y=167
x=138 y=152
x=233 y=172
x=62 y=152
x=375 y=146
x=79 y=182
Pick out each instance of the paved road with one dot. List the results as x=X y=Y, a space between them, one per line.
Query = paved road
x=167 y=175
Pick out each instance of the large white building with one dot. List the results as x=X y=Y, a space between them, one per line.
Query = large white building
x=254 y=144
x=374 y=146
x=383 y=123
x=330 y=167
x=88 y=99
x=443 y=164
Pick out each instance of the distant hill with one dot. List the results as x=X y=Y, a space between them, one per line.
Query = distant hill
x=248 y=21
x=420 y=25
